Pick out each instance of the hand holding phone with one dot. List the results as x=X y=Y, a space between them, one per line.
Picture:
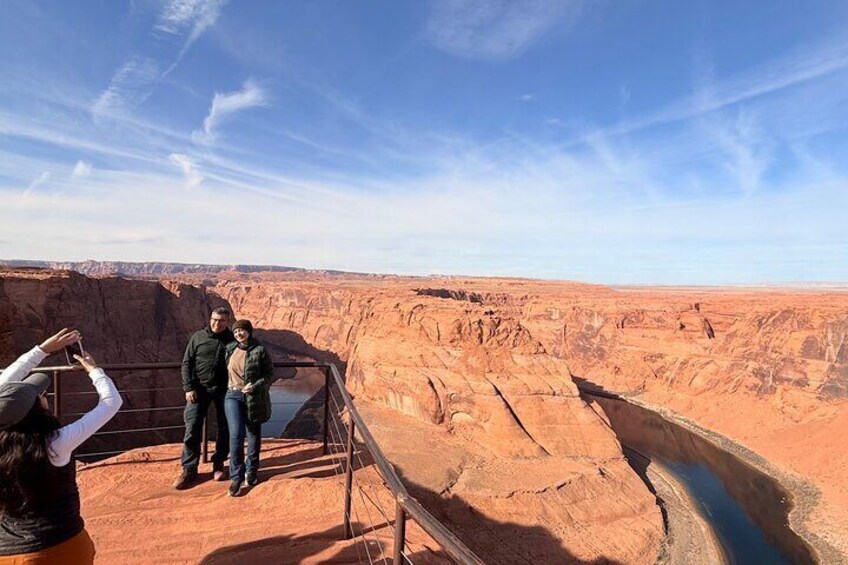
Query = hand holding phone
x=72 y=350
x=87 y=361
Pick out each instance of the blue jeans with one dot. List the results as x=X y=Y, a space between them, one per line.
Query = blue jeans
x=236 y=410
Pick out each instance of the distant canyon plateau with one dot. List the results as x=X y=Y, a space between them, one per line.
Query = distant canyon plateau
x=471 y=384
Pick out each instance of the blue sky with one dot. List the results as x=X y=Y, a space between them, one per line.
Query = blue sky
x=617 y=142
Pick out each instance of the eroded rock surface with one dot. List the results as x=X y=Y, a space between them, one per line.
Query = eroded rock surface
x=122 y=321
x=486 y=426
x=490 y=361
x=469 y=385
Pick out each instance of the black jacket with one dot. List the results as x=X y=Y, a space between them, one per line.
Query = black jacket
x=258 y=371
x=204 y=361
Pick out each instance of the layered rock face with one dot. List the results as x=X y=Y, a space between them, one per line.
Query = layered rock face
x=490 y=362
x=486 y=427
x=768 y=369
x=467 y=384
x=122 y=321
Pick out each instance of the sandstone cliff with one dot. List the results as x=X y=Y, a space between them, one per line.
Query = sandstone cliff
x=486 y=427
x=767 y=369
x=122 y=321
x=468 y=385
x=490 y=362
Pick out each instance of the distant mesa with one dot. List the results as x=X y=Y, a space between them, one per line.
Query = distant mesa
x=94 y=268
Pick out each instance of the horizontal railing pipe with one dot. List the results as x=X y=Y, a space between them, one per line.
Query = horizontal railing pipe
x=155 y=366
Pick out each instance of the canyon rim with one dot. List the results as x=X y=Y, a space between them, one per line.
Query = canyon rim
x=487 y=370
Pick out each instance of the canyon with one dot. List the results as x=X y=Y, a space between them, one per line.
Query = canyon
x=121 y=321
x=471 y=385
x=761 y=372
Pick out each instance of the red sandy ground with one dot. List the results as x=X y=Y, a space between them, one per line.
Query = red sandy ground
x=294 y=515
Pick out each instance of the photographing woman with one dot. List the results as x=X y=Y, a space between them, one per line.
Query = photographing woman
x=247 y=404
x=40 y=521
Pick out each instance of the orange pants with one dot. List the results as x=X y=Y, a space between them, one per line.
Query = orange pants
x=79 y=550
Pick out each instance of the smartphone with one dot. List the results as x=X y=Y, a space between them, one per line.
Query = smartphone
x=74 y=349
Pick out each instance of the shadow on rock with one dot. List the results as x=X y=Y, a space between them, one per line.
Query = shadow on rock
x=497 y=543
x=284 y=549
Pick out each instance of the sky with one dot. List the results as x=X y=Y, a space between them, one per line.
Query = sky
x=642 y=142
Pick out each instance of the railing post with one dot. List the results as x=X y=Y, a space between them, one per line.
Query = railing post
x=204 y=440
x=327 y=382
x=400 y=533
x=348 y=529
x=57 y=396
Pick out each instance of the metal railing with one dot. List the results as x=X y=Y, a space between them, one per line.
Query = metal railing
x=338 y=434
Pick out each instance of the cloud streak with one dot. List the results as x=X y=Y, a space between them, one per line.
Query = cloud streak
x=188 y=18
x=43 y=178
x=135 y=80
x=193 y=175
x=130 y=86
x=495 y=29
x=802 y=66
x=225 y=105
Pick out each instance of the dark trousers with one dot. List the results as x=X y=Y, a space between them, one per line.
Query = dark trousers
x=239 y=428
x=195 y=416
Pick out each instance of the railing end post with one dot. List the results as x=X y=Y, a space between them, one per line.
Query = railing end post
x=348 y=530
x=205 y=438
x=57 y=396
x=400 y=533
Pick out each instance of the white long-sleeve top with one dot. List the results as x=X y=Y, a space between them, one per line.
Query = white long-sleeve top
x=69 y=437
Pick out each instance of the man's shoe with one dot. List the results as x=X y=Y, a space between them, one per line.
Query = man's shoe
x=218 y=472
x=252 y=479
x=235 y=488
x=186 y=479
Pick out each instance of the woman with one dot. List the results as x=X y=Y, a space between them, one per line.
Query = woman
x=40 y=520
x=247 y=404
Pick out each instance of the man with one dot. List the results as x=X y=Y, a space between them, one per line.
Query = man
x=204 y=378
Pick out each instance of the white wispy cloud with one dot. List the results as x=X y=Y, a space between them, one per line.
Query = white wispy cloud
x=43 y=178
x=25 y=196
x=193 y=175
x=189 y=18
x=495 y=29
x=226 y=104
x=747 y=149
x=81 y=170
x=134 y=81
x=804 y=65
x=612 y=206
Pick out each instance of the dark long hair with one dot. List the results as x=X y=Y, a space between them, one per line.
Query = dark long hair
x=25 y=460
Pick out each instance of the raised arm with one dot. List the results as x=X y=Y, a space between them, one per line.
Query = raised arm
x=71 y=436
x=30 y=360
